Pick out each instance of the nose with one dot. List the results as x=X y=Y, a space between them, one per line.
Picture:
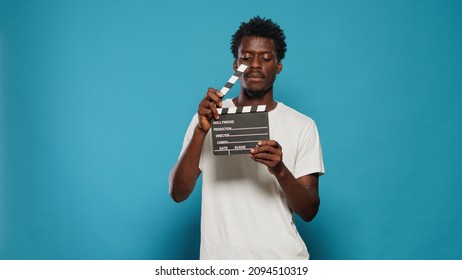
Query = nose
x=255 y=63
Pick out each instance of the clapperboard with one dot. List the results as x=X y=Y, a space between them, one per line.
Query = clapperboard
x=239 y=129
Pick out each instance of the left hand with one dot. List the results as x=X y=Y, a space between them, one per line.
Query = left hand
x=268 y=152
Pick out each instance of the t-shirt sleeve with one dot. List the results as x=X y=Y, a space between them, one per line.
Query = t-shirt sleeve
x=309 y=157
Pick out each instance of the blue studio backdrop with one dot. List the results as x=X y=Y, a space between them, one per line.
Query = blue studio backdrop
x=96 y=97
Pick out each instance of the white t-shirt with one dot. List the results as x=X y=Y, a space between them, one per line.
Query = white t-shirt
x=245 y=214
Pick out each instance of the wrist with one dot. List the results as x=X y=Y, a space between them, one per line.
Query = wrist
x=200 y=131
x=281 y=171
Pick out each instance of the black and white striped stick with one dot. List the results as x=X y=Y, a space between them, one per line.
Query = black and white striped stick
x=233 y=78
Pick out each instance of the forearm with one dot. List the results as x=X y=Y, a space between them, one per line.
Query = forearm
x=184 y=175
x=301 y=194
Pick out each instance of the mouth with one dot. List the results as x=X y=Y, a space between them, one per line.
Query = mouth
x=254 y=76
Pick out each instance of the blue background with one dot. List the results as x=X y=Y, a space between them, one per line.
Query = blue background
x=96 y=97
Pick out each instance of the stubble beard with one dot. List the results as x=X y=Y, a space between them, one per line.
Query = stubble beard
x=256 y=93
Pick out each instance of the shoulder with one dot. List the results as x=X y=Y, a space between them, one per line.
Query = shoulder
x=292 y=116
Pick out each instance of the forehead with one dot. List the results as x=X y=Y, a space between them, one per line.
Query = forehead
x=257 y=45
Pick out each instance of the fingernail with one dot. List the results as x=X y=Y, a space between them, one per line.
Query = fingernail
x=252 y=150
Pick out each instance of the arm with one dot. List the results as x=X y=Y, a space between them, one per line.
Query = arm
x=184 y=174
x=301 y=193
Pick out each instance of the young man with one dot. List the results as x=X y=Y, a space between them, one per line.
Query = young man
x=248 y=200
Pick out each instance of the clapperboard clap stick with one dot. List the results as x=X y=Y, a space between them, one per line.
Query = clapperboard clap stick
x=239 y=128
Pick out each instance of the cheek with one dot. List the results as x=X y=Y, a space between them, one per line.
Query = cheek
x=274 y=69
x=273 y=72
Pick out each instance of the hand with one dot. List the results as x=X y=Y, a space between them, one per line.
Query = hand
x=208 y=108
x=268 y=152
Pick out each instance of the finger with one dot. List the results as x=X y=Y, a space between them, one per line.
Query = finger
x=205 y=112
x=271 y=143
x=214 y=96
x=264 y=149
x=265 y=156
x=263 y=161
x=216 y=92
x=214 y=111
x=268 y=163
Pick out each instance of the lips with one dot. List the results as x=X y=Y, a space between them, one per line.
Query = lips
x=255 y=76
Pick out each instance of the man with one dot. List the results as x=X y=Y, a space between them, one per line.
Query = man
x=248 y=200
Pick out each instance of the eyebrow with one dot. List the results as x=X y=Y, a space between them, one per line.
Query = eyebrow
x=263 y=52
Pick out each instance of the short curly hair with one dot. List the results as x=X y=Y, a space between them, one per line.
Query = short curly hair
x=260 y=27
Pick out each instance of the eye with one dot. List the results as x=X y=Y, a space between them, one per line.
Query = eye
x=266 y=57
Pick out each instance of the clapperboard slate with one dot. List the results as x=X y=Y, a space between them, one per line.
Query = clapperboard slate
x=239 y=129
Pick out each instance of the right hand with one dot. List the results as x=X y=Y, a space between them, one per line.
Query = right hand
x=208 y=108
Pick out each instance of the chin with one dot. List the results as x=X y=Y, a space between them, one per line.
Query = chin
x=255 y=93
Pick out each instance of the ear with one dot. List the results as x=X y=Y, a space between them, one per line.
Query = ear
x=279 y=67
x=235 y=65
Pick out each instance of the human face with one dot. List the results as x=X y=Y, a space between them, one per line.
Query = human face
x=260 y=54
